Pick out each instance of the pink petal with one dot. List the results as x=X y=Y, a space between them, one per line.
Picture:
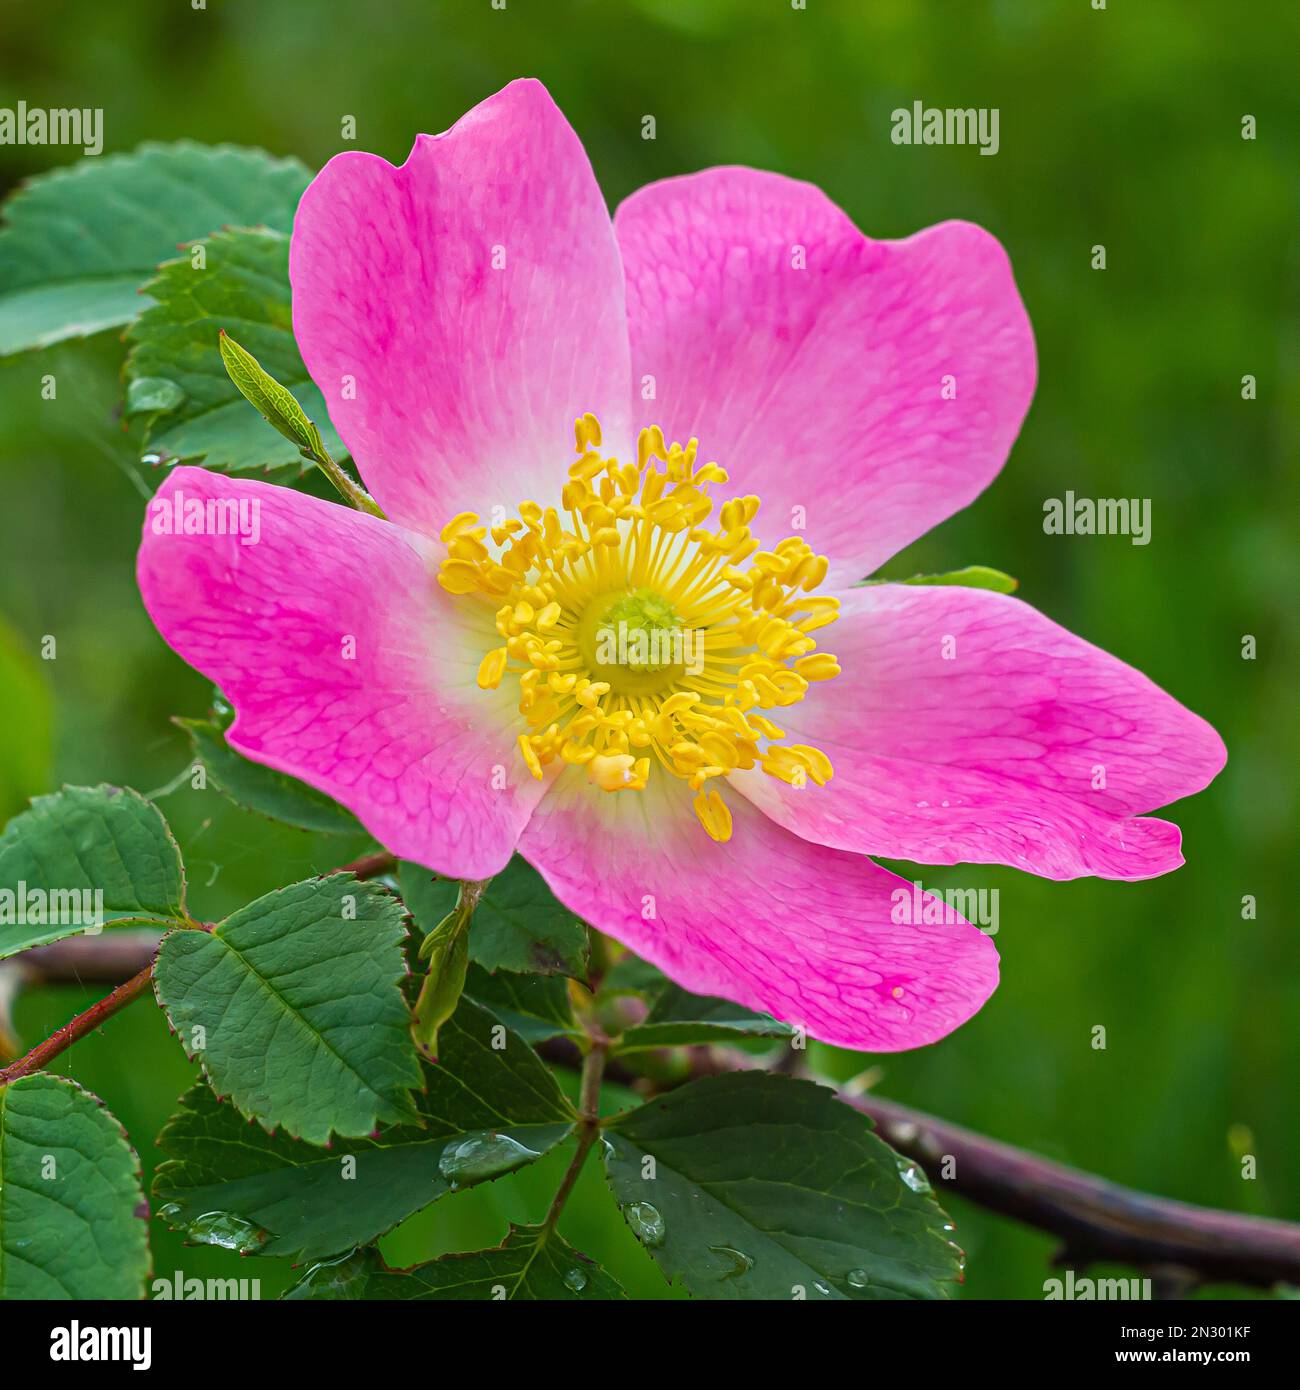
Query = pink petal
x=768 y=920
x=989 y=757
x=468 y=378
x=399 y=732
x=821 y=388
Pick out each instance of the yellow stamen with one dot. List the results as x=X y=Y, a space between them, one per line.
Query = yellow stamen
x=630 y=625
x=714 y=815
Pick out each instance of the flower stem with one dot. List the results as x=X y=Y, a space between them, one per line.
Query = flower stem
x=593 y=1068
x=351 y=493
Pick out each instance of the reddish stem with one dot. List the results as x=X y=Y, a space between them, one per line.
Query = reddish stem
x=63 y=1038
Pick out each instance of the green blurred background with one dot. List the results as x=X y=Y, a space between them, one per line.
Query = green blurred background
x=1120 y=127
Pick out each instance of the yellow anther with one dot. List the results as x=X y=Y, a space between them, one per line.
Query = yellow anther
x=586 y=431
x=458 y=525
x=821 y=666
x=530 y=756
x=458 y=576
x=818 y=764
x=589 y=696
x=614 y=772
x=491 y=669
x=713 y=814
x=679 y=701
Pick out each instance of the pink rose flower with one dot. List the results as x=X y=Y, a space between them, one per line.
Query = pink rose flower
x=709 y=804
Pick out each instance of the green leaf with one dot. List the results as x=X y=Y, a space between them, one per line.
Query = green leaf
x=81 y=241
x=536 y=1007
x=680 y=1019
x=531 y=1263
x=72 y=1211
x=972 y=577
x=243 y=288
x=278 y=1196
x=518 y=924
x=766 y=1187
x=293 y=1005
x=75 y=845
x=263 y=789
x=632 y=975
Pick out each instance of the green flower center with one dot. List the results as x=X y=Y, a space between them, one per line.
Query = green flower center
x=634 y=640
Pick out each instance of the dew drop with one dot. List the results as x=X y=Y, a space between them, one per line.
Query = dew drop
x=738 y=1262
x=912 y=1176
x=576 y=1280
x=224 y=1229
x=858 y=1279
x=480 y=1156
x=646 y=1223
x=342 y=1277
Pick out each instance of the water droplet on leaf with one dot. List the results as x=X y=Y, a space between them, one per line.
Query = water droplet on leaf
x=481 y=1156
x=912 y=1176
x=858 y=1279
x=647 y=1223
x=342 y=1277
x=738 y=1262
x=226 y=1230
x=576 y=1280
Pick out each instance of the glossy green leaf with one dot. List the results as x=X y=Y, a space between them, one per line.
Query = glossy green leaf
x=766 y=1187
x=229 y=1182
x=531 y=1263
x=72 y=1211
x=518 y=925
x=263 y=789
x=58 y=858
x=293 y=1006
x=81 y=241
x=680 y=1019
x=242 y=287
x=535 y=1006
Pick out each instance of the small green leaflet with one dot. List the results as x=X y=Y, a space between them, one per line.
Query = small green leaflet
x=487 y=1110
x=531 y=1263
x=972 y=577
x=275 y=403
x=294 y=1008
x=81 y=241
x=263 y=789
x=82 y=849
x=766 y=1187
x=518 y=925
x=72 y=1212
x=242 y=287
